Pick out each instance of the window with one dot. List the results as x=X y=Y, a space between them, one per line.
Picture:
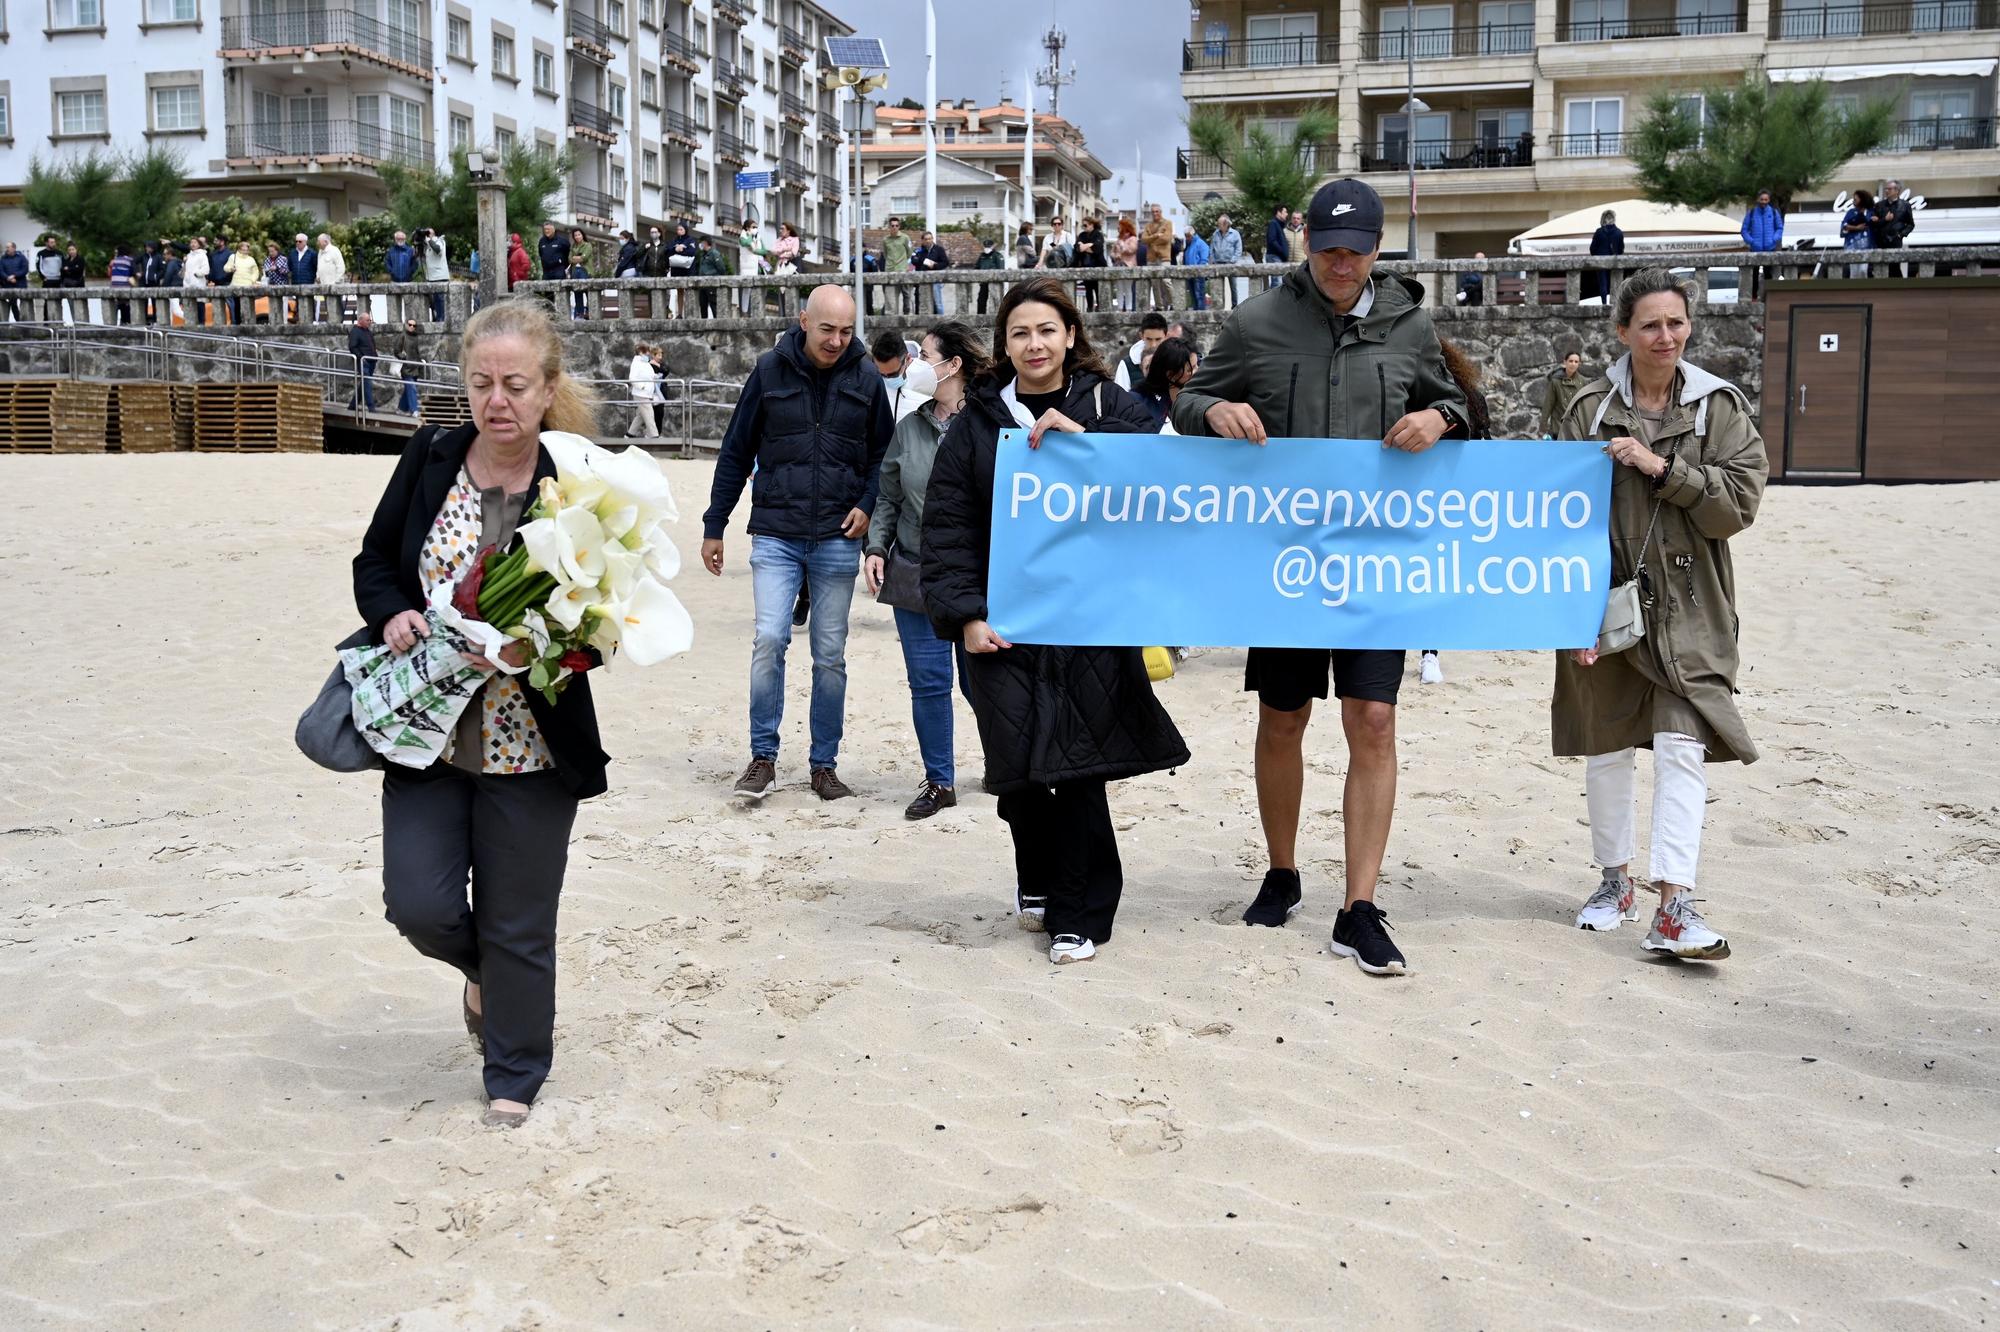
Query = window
x=964 y=204
x=1503 y=129
x=649 y=167
x=1693 y=18
x=461 y=132
x=1281 y=39
x=1594 y=127
x=770 y=142
x=545 y=72
x=1695 y=107
x=76 y=14
x=503 y=55
x=406 y=123
x=867 y=210
x=701 y=113
x=503 y=141
x=701 y=36
x=749 y=128
x=1943 y=119
x=701 y=184
x=649 y=88
x=903 y=203
x=545 y=149
x=458 y=38
x=614 y=16
x=617 y=107
x=6 y=119
x=618 y=180
x=1597 y=20
x=646 y=14
x=770 y=75
x=1433 y=36
x=1433 y=138
x=172 y=11
x=770 y=11
x=951 y=134
x=177 y=110
x=80 y=113
x=1507 y=27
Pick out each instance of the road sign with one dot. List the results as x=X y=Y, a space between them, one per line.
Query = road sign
x=756 y=180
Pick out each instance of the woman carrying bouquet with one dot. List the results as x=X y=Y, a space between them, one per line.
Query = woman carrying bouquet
x=495 y=811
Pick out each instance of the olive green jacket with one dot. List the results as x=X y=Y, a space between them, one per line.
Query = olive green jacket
x=1682 y=675
x=905 y=476
x=1562 y=392
x=1283 y=352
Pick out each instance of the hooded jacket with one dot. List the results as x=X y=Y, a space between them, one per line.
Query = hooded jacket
x=1046 y=714
x=519 y=266
x=1764 y=228
x=1682 y=675
x=400 y=262
x=1196 y=250
x=815 y=439
x=628 y=258
x=1310 y=372
x=905 y=477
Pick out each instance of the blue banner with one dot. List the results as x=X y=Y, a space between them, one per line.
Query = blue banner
x=1136 y=540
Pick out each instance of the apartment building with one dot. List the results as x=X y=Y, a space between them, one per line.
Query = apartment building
x=661 y=102
x=1523 y=108
x=979 y=165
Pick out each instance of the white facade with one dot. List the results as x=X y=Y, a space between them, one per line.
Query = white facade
x=301 y=101
x=964 y=191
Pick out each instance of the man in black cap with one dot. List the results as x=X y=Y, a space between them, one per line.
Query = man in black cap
x=1333 y=352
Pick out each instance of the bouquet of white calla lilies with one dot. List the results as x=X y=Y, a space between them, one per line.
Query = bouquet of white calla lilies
x=586 y=578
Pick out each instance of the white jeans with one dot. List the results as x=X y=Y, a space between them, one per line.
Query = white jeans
x=1680 y=793
x=642 y=417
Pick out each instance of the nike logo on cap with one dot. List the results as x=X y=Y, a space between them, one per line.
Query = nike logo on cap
x=1338 y=209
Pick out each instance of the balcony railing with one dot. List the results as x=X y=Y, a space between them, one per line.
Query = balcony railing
x=583 y=115
x=587 y=29
x=680 y=201
x=795 y=107
x=829 y=187
x=1447 y=154
x=324 y=139
x=1831 y=22
x=730 y=81
x=676 y=47
x=1194 y=164
x=738 y=12
x=829 y=247
x=728 y=215
x=1941 y=134
x=729 y=148
x=1260 y=53
x=325 y=27
x=829 y=125
x=1601 y=144
x=593 y=203
x=1680 y=25
x=678 y=126
x=793 y=48
x=1483 y=39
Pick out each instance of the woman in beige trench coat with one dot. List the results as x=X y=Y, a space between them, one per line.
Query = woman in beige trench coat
x=1690 y=465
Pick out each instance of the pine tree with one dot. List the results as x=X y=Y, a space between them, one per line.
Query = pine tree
x=102 y=201
x=1788 y=138
x=1264 y=170
x=426 y=196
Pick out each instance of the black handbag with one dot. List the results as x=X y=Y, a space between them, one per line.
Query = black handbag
x=325 y=733
x=901 y=582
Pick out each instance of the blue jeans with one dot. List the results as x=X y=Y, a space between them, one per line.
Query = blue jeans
x=937 y=298
x=777 y=568
x=408 y=406
x=927 y=663
x=1198 y=294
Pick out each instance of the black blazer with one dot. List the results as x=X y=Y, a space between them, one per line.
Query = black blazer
x=386 y=584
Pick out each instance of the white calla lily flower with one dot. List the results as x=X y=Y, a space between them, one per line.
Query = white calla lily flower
x=538 y=630
x=636 y=474
x=622 y=570
x=654 y=625
x=580 y=539
x=544 y=546
x=601 y=625
x=663 y=559
x=618 y=516
x=570 y=452
x=569 y=601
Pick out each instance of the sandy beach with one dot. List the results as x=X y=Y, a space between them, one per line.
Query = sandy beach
x=809 y=1073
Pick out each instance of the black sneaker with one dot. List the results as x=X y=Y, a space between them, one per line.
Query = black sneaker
x=1276 y=900
x=803 y=606
x=1362 y=933
x=930 y=799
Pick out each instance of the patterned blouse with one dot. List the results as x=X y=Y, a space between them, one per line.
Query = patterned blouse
x=509 y=738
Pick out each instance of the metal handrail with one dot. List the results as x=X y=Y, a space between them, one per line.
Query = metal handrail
x=1260 y=53
x=328 y=26
x=265 y=140
x=1445 y=43
x=1680 y=25
x=1940 y=134
x=1868 y=18
x=1596 y=144
x=1447 y=154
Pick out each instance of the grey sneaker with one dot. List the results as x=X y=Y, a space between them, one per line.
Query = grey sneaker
x=827 y=785
x=1679 y=931
x=1611 y=905
x=757 y=779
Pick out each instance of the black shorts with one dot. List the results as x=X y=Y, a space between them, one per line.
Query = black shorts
x=1286 y=679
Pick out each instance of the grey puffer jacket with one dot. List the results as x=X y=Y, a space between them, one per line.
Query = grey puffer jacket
x=905 y=476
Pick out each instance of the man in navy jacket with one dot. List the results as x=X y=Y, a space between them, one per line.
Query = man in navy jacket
x=304 y=260
x=812 y=423
x=1277 y=246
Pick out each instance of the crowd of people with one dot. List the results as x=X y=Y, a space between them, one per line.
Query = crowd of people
x=851 y=473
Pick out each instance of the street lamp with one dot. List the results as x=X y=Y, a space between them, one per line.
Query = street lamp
x=1410 y=116
x=861 y=66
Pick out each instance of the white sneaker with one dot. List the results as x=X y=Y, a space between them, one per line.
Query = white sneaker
x=1611 y=905
x=1071 y=948
x=1679 y=930
x=1431 y=673
x=1029 y=911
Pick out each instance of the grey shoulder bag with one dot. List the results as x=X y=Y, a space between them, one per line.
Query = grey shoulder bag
x=1625 y=610
x=325 y=733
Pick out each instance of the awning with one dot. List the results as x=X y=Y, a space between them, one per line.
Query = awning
x=1955 y=69
x=1646 y=226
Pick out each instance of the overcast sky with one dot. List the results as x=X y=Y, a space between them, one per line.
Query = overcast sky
x=1127 y=94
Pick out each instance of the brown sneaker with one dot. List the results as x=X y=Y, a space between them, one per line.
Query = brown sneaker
x=758 y=779
x=828 y=786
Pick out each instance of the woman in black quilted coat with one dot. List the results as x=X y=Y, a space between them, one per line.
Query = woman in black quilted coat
x=1056 y=723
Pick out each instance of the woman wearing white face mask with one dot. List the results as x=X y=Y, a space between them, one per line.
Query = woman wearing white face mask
x=950 y=355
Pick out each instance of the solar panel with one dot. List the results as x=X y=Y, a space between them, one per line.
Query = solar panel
x=856 y=53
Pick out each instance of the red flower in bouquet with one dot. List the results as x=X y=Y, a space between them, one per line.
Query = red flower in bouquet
x=577 y=661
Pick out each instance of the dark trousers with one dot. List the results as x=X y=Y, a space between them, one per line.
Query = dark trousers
x=1064 y=842
x=708 y=302
x=510 y=836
